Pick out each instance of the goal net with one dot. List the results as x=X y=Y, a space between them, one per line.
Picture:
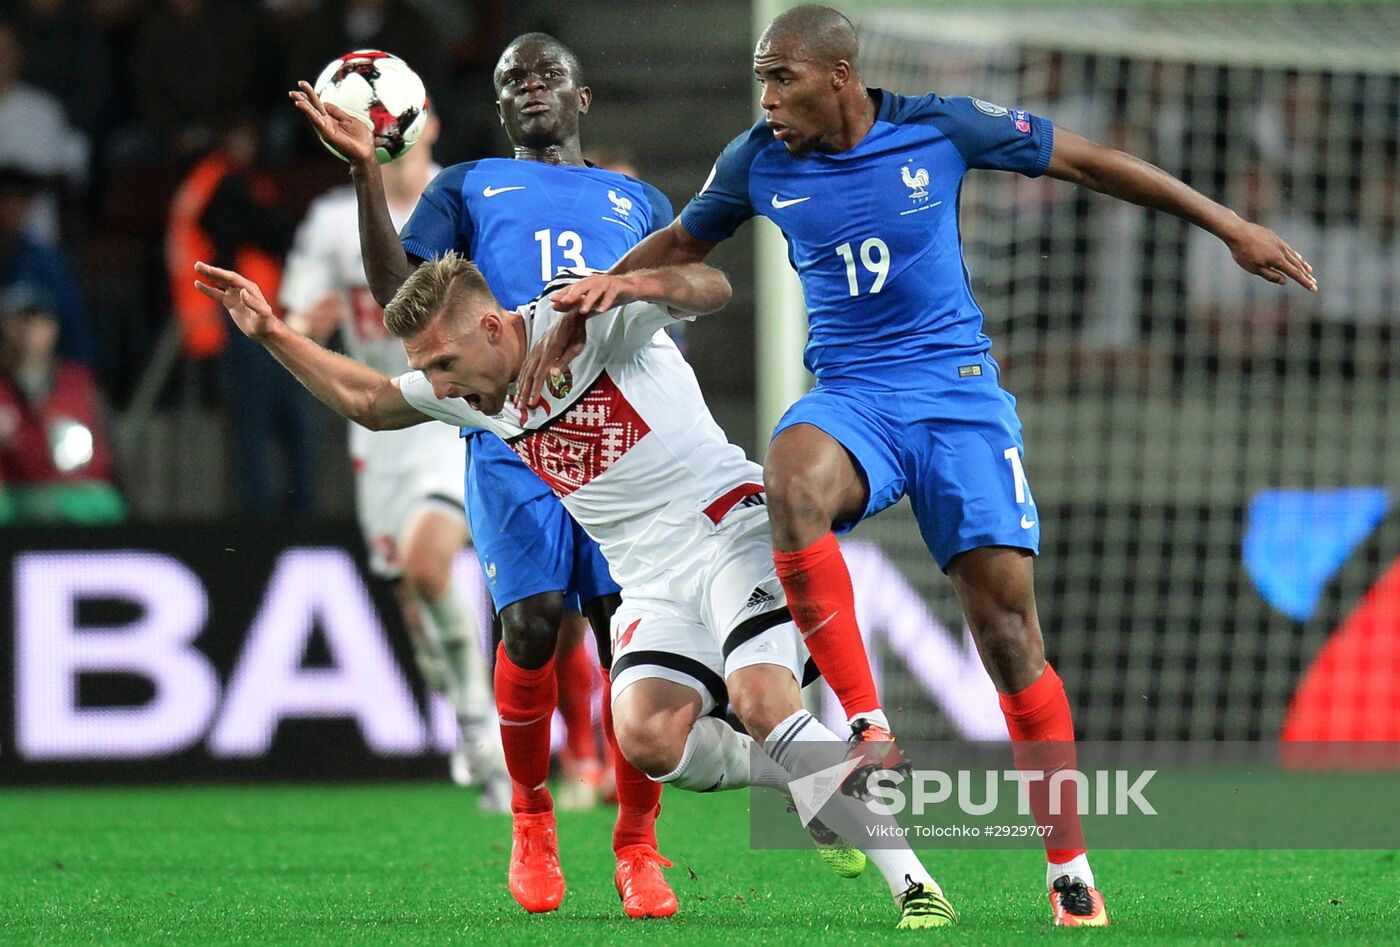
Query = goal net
x=1212 y=455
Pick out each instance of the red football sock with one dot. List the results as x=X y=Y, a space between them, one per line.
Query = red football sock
x=823 y=605
x=525 y=700
x=638 y=798
x=1042 y=738
x=575 y=671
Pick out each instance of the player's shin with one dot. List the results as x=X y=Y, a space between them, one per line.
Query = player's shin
x=822 y=602
x=452 y=627
x=804 y=748
x=1042 y=735
x=638 y=798
x=525 y=700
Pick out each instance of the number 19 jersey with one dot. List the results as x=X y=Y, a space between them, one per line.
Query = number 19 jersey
x=873 y=232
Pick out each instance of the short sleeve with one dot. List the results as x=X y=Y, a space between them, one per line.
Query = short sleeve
x=661 y=211
x=989 y=136
x=723 y=203
x=440 y=221
x=310 y=270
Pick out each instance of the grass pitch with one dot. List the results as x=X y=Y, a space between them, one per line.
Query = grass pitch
x=416 y=863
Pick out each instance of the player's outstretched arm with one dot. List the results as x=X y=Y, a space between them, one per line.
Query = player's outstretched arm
x=670 y=246
x=352 y=390
x=1118 y=174
x=386 y=264
x=692 y=289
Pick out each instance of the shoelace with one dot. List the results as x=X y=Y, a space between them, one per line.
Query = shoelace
x=1074 y=896
x=643 y=854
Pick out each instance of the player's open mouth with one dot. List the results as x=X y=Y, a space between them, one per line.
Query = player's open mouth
x=779 y=131
x=534 y=108
x=474 y=401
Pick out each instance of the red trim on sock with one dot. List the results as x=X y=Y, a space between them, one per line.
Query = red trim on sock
x=1042 y=738
x=823 y=605
x=638 y=798
x=525 y=700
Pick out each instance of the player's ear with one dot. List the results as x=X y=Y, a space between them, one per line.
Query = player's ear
x=585 y=98
x=841 y=74
x=499 y=114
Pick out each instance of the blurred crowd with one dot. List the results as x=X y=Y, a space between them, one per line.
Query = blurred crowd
x=136 y=135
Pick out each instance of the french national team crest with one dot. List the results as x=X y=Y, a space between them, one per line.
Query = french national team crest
x=560 y=385
x=916 y=181
x=622 y=206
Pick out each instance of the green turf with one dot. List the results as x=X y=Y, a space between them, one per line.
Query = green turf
x=417 y=864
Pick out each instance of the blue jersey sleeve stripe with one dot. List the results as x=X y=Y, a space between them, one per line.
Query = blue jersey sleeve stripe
x=1047 y=145
x=440 y=218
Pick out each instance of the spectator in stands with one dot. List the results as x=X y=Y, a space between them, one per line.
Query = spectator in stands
x=55 y=463
x=37 y=138
x=25 y=260
x=225 y=212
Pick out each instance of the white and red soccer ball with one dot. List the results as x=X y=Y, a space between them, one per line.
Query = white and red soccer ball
x=380 y=90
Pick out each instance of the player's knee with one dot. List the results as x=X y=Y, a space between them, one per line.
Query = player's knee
x=796 y=499
x=530 y=632
x=761 y=706
x=653 y=742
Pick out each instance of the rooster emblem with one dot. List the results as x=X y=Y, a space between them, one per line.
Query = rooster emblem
x=622 y=206
x=917 y=182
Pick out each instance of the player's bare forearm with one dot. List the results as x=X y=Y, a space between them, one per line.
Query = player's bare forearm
x=692 y=288
x=352 y=390
x=386 y=264
x=1129 y=178
x=669 y=246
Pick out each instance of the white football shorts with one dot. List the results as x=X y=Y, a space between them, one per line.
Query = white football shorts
x=399 y=473
x=702 y=622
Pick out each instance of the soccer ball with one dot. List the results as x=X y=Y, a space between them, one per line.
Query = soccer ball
x=380 y=90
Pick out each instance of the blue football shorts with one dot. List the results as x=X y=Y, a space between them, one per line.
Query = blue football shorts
x=525 y=540
x=951 y=443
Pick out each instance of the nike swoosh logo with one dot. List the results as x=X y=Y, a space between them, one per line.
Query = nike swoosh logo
x=493 y=191
x=825 y=621
x=1026 y=521
x=780 y=204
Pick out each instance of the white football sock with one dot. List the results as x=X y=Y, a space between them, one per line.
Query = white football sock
x=1076 y=867
x=454 y=631
x=716 y=758
x=876 y=717
x=802 y=745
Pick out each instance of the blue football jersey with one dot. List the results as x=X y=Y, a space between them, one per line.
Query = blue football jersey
x=873 y=232
x=523 y=221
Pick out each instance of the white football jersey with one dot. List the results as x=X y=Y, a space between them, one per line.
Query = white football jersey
x=325 y=259
x=624 y=439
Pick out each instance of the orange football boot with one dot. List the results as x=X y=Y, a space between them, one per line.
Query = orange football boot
x=1075 y=904
x=536 y=880
x=641 y=885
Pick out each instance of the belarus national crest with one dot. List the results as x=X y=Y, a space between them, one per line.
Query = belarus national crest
x=560 y=385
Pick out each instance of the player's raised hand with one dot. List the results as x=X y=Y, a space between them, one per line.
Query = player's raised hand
x=549 y=357
x=1264 y=253
x=240 y=296
x=338 y=128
